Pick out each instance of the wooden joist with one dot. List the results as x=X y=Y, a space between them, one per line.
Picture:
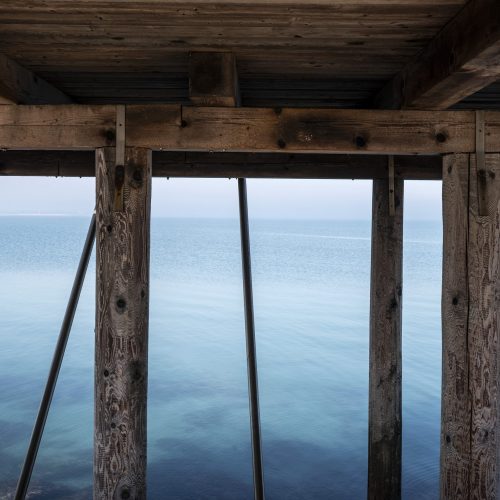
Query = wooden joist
x=470 y=441
x=177 y=128
x=462 y=59
x=213 y=79
x=21 y=86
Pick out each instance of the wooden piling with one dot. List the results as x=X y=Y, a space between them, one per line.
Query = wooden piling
x=123 y=228
x=470 y=442
x=384 y=432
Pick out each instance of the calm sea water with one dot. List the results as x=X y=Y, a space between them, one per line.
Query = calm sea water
x=311 y=286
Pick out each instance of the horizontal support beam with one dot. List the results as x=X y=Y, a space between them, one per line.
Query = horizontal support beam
x=262 y=130
x=229 y=165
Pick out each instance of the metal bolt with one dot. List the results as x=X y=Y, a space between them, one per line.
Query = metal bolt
x=137 y=175
x=360 y=141
x=441 y=137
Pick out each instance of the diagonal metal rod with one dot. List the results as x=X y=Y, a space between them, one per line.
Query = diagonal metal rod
x=36 y=436
x=253 y=389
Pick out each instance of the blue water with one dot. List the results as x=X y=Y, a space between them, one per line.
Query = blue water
x=311 y=287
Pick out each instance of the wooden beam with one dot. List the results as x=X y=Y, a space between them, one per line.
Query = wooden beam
x=462 y=59
x=303 y=130
x=229 y=165
x=213 y=79
x=385 y=417
x=121 y=324
x=470 y=442
x=21 y=86
x=62 y=127
x=264 y=130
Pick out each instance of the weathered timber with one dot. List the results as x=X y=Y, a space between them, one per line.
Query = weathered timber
x=229 y=165
x=223 y=129
x=21 y=86
x=75 y=43
x=462 y=59
x=213 y=79
x=385 y=419
x=305 y=130
x=470 y=441
x=121 y=325
x=62 y=127
x=455 y=406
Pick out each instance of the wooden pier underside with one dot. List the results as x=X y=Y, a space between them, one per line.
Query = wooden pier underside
x=389 y=90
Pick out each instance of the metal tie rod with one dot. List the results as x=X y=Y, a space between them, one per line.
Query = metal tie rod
x=253 y=390
x=36 y=436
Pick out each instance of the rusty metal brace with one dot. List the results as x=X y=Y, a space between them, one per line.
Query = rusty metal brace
x=120 y=158
x=390 y=172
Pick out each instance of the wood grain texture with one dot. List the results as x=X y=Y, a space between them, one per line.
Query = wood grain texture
x=122 y=312
x=72 y=126
x=385 y=419
x=455 y=405
x=305 y=130
x=213 y=79
x=228 y=165
x=462 y=59
x=471 y=283
x=71 y=44
x=22 y=86
x=264 y=130
x=484 y=322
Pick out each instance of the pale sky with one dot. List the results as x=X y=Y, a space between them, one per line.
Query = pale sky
x=273 y=199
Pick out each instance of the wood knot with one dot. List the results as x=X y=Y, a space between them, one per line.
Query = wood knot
x=455 y=301
x=281 y=143
x=121 y=304
x=184 y=123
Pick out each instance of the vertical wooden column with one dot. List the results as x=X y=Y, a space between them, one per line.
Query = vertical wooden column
x=470 y=313
x=384 y=426
x=123 y=227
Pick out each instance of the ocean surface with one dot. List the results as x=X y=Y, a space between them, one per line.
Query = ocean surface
x=311 y=291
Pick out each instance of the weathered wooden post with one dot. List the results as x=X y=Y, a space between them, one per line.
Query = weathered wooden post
x=384 y=426
x=123 y=227
x=470 y=440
